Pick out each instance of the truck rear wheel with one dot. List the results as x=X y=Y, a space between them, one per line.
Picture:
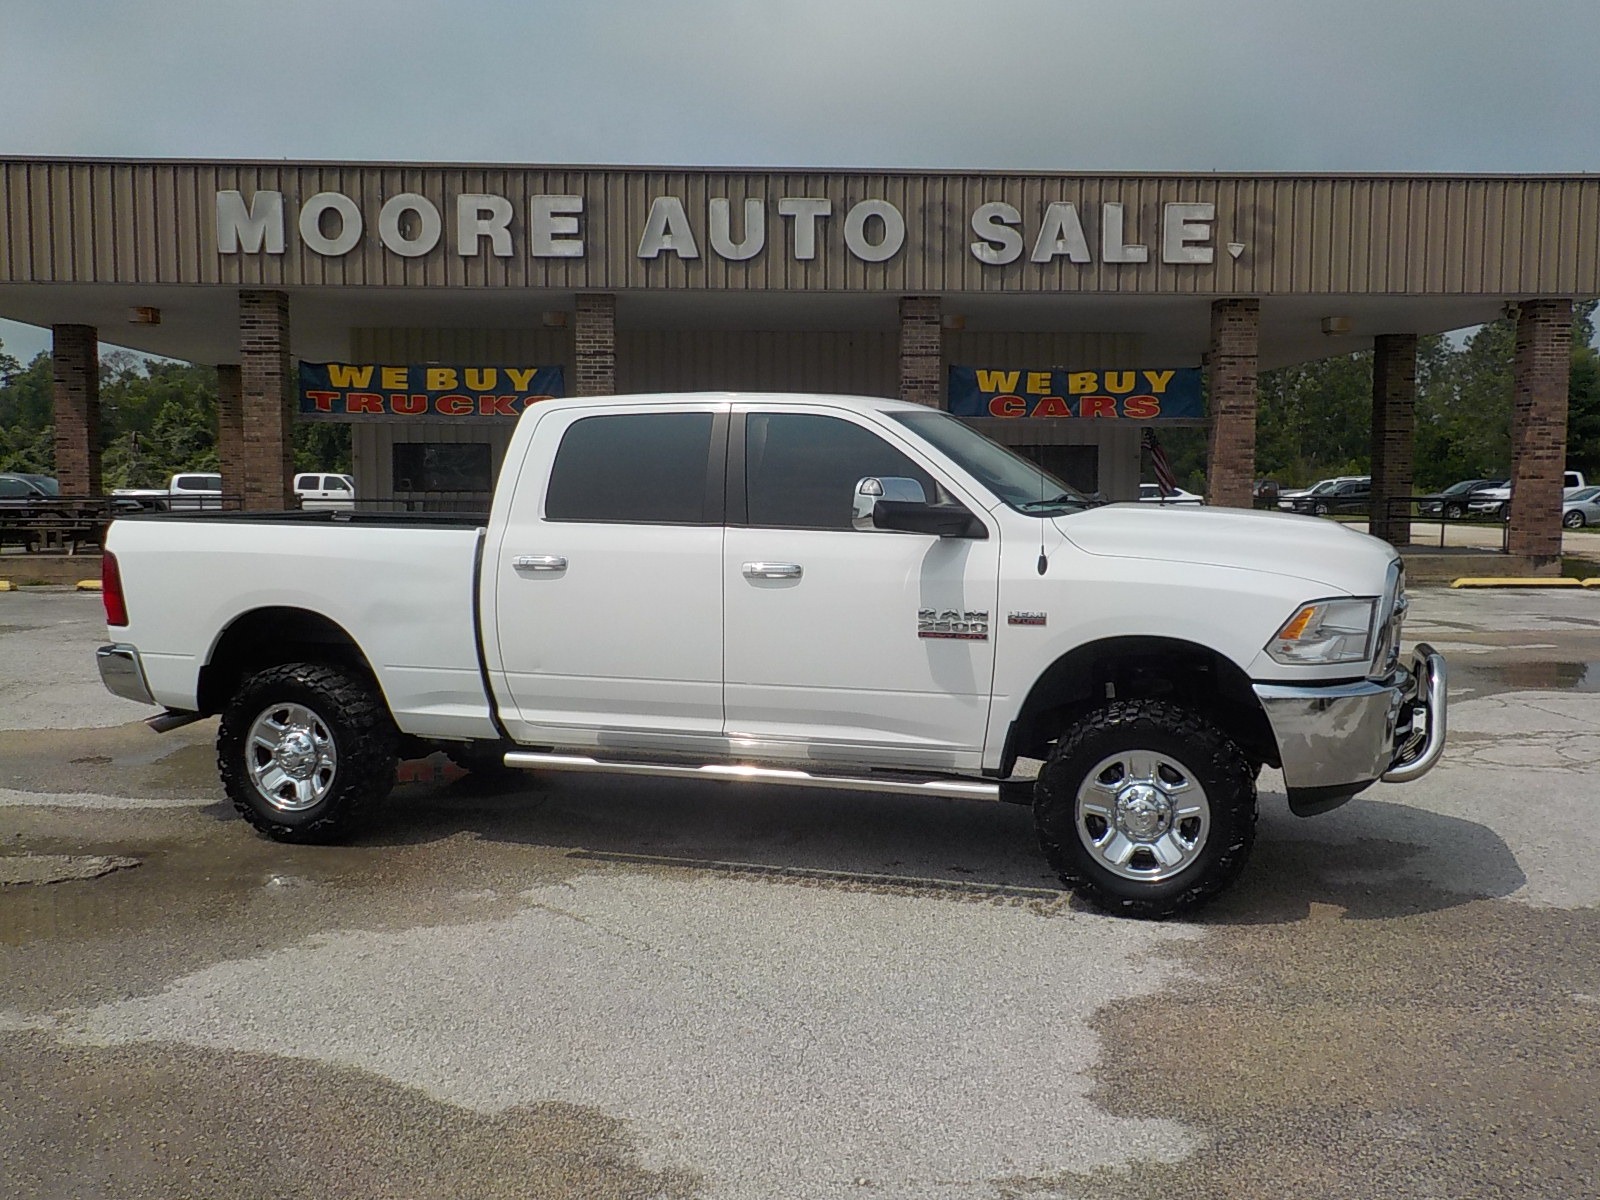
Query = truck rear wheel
x=1145 y=809
x=303 y=748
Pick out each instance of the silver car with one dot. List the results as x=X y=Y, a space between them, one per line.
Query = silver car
x=1581 y=508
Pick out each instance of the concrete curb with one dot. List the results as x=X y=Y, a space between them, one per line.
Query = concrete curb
x=1514 y=581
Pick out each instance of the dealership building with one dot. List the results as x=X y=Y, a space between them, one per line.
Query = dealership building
x=1062 y=314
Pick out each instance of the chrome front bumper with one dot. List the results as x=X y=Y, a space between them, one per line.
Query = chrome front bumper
x=123 y=673
x=1336 y=740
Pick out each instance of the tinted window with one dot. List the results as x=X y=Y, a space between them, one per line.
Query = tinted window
x=442 y=467
x=640 y=468
x=12 y=489
x=801 y=470
x=199 y=483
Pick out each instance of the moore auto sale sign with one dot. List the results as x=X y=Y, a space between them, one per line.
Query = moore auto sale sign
x=729 y=228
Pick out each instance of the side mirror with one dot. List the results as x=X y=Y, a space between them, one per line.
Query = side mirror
x=896 y=503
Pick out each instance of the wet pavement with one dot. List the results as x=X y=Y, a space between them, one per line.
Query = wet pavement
x=576 y=987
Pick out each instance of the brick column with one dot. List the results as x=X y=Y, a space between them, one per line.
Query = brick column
x=922 y=350
x=594 y=336
x=230 y=428
x=264 y=373
x=1231 y=384
x=1394 y=406
x=1540 y=373
x=75 y=358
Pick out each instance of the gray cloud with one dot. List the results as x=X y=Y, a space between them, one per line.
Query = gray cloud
x=1252 y=85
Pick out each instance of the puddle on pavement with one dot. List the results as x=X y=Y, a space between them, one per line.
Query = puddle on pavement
x=1528 y=675
x=168 y=1121
x=1383 y=1043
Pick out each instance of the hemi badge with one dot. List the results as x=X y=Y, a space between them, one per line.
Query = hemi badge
x=1025 y=618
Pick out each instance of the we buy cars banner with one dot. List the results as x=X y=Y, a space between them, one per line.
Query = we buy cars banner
x=1142 y=394
x=427 y=392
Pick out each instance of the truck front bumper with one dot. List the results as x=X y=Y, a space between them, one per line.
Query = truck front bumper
x=1336 y=740
x=123 y=673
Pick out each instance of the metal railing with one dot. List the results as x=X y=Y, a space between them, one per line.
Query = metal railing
x=68 y=524
x=1413 y=510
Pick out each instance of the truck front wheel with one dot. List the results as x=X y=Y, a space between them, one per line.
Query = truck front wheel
x=1145 y=809
x=303 y=748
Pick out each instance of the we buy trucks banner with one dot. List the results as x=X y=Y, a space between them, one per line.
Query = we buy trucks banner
x=429 y=392
x=1143 y=394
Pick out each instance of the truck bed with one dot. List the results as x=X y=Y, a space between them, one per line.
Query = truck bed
x=402 y=586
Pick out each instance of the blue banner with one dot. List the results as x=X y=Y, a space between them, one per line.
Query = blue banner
x=373 y=392
x=1141 y=394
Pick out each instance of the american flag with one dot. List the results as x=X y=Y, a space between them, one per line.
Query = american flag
x=1165 y=479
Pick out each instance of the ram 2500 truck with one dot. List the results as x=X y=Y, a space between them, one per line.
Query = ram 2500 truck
x=808 y=591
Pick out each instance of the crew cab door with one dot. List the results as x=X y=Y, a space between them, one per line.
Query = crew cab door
x=845 y=644
x=608 y=605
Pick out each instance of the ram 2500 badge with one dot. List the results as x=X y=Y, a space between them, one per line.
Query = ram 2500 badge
x=806 y=591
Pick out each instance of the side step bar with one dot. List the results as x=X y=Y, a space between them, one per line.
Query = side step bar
x=776 y=776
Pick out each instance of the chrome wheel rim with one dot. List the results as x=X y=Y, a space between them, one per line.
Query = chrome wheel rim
x=1142 y=815
x=291 y=756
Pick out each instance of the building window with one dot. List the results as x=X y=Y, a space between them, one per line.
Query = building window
x=642 y=468
x=442 y=467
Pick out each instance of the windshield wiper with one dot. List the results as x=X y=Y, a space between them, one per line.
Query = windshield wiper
x=1064 y=498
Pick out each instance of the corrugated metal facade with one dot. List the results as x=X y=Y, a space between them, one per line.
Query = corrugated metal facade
x=154 y=222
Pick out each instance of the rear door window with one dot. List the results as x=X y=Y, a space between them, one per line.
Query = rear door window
x=634 y=468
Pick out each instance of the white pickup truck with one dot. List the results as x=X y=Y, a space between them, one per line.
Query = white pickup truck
x=185 y=490
x=808 y=591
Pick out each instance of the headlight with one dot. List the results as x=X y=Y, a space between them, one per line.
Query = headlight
x=1326 y=631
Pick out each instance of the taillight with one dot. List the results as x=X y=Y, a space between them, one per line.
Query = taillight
x=111 y=590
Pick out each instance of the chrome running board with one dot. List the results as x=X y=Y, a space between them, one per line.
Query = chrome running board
x=774 y=776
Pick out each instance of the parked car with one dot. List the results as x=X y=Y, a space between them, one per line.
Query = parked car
x=1151 y=493
x=1581 y=508
x=1496 y=501
x=1342 y=496
x=319 y=490
x=185 y=490
x=1265 y=492
x=1452 y=502
x=638 y=601
x=1288 y=496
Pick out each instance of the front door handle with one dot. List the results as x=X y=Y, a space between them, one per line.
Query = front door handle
x=539 y=562
x=771 y=570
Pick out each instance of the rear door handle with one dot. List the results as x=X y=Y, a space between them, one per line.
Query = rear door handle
x=771 y=570
x=539 y=562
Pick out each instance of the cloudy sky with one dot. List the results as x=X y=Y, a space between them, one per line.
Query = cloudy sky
x=1249 y=85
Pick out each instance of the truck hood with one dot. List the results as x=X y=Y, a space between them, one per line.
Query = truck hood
x=1307 y=548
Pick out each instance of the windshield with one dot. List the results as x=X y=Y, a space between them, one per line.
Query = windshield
x=1024 y=486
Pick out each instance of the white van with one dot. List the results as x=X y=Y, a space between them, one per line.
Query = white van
x=325 y=491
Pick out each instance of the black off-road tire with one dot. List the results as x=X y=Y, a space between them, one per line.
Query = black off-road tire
x=359 y=725
x=1164 y=729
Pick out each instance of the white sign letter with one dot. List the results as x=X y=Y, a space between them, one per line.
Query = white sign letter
x=1113 y=249
x=482 y=216
x=428 y=224
x=1001 y=244
x=667 y=228
x=259 y=225
x=349 y=223
x=552 y=220
x=1061 y=233
x=805 y=210
x=855 y=230
x=755 y=230
x=1185 y=223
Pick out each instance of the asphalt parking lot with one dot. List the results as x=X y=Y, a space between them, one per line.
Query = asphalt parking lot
x=574 y=987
